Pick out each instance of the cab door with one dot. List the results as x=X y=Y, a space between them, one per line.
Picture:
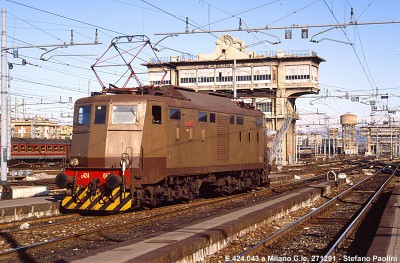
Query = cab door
x=81 y=133
x=98 y=136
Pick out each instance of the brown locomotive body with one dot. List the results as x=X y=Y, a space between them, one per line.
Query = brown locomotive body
x=134 y=150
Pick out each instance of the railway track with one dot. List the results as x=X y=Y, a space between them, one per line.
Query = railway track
x=351 y=167
x=63 y=234
x=27 y=243
x=30 y=243
x=318 y=235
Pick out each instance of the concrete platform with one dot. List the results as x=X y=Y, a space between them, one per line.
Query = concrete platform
x=16 y=192
x=194 y=241
x=283 y=177
x=386 y=244
x=17 y=209
x=280 y=177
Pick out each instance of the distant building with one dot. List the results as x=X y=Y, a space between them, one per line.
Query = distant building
x=382 y=139
x=271 y=81
x=38 y=127
x=322 y=143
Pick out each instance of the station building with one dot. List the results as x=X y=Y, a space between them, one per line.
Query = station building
x=270 y=80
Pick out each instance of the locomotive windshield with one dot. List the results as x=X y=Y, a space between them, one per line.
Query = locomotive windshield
x=124 y=114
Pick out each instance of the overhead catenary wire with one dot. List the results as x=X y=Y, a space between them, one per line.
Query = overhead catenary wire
x=234 y=15
x=155 y=7
x=355 y=52
x=100 y=27
x=202 y=31
x=44 y=31
x=167 y=47
x=65 y=17
x=293 y=26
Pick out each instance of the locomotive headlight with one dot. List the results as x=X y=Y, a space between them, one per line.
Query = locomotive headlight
x=74 y=162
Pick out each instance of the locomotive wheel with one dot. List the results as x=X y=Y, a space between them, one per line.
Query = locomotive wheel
x=149 y=198
x=190 y=188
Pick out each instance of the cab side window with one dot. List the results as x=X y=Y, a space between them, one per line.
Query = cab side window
x=156 y=113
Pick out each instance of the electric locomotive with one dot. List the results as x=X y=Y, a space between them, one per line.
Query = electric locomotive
x=139 y=148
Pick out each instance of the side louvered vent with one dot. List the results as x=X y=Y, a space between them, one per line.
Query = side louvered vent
x=222 y=138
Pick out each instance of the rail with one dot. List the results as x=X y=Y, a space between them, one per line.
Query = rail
x=313 y=214
x=25 y=251
x=356 y=220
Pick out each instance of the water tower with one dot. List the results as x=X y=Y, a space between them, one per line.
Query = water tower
x=348 y=122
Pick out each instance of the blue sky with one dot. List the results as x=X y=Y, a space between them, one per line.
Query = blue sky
x=371 y=62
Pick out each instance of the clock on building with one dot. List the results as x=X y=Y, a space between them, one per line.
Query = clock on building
x=225 y=43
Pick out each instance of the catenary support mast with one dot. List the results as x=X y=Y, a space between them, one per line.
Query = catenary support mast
x=4 y=95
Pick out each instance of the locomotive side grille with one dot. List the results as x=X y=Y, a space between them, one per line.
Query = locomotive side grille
x=222 y=137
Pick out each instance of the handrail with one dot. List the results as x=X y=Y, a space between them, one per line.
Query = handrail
x=278 y=139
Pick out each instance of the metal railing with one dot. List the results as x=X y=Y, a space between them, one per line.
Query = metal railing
x=259 y=54
x=277 y=145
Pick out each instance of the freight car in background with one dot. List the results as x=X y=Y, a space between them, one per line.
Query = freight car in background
x=140 y=147
x=31 y=149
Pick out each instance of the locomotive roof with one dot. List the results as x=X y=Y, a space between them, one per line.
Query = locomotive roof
x=181 y=98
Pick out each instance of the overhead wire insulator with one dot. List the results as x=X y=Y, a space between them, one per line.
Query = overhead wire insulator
x=96 y=39
x=72 y=37
x=351 y=16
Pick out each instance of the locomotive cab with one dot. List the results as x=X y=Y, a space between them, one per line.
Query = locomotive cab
x=107 y=136
x=103 y=131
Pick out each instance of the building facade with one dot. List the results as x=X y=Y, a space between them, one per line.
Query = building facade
x=38 y=127
x=271 y=81
x=382 y=139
